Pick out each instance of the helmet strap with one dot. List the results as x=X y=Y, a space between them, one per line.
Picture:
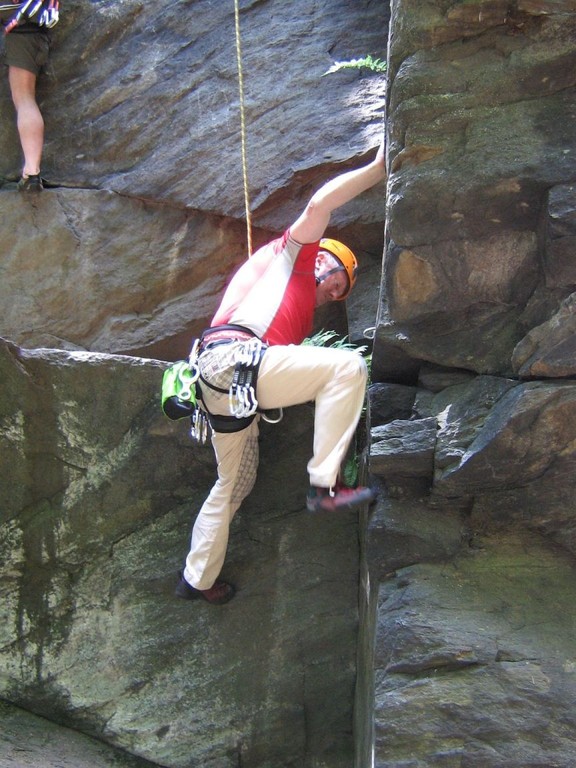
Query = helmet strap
x=326 y=275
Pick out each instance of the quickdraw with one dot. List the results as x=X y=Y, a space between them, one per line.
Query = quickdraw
x=242 y=394
x=45 y=13
x=201 y=428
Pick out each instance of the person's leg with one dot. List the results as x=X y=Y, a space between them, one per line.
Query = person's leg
x=237 y=458
x=335 y=380
x=29 y=120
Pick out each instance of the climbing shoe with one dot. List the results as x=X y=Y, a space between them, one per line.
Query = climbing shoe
x=218 y=594
x=30 y=183
x=331 y=500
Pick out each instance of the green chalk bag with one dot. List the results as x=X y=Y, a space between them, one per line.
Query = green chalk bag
x=179 y=390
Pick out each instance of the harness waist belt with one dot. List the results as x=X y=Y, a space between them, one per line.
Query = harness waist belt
x=225 y=333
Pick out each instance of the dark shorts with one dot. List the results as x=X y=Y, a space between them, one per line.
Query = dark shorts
x=27 y=50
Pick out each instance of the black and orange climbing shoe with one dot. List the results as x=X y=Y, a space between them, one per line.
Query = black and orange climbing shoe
x=218 y=594
x=340 y=497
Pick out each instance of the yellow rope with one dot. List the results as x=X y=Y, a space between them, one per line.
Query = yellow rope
x=243 y=128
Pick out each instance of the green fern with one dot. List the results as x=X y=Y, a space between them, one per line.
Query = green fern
x=350 y=472
x=322 y=338
x=374 y=65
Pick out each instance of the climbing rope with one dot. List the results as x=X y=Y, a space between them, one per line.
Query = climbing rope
x=243 y=128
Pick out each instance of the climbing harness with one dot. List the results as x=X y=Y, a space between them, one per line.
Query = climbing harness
x=44 y=13
x=182 y=385
x=242 y=400
x=243 y=127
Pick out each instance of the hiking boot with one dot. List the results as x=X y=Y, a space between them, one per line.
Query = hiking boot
x=31 y=183
x=331 y=500
x=218 y=594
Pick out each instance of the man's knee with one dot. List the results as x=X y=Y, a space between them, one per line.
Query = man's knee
x=356 y=368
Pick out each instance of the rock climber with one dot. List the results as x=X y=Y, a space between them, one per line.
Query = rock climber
x=27 y=46
x=271 y=299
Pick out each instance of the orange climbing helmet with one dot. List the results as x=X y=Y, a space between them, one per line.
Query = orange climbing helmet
x=344 y=255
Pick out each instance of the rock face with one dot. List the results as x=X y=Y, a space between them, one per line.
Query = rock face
x=98 y=496
x=481 y=119
x=130 y=249
x=126 y=252
x=433 y=630
x=473 y=659
x=34 y=742
x=470 y=552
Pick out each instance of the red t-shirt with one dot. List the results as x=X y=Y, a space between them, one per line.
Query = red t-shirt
x=274 y=292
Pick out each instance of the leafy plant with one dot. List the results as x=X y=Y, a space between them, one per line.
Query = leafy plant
x=374 y=65
x=322 y=338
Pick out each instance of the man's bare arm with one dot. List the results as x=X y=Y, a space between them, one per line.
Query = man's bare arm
x=311 y=224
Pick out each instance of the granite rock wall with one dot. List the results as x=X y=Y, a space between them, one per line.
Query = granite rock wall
x=470 y=553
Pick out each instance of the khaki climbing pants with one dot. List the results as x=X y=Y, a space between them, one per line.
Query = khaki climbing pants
x=334 y=379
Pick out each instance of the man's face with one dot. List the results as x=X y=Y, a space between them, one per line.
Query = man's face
x=334 y=286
